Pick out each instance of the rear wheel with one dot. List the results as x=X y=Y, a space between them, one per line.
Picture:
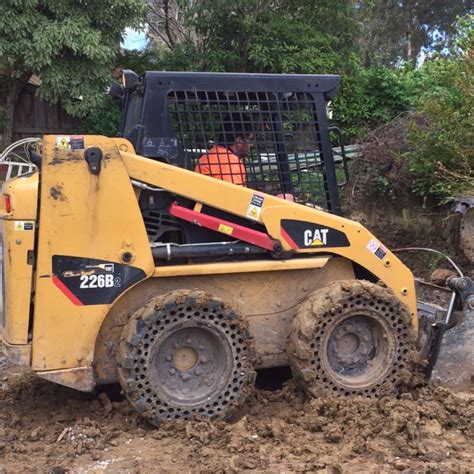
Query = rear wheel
x=351 y=338
x=185 y=354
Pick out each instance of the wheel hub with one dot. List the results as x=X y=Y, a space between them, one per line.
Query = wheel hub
x=351 y=344
x=354 y=352
x=185 y=358
x=190 y=364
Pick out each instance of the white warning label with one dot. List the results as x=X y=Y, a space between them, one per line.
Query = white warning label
x=377 y=249
x=255 y=207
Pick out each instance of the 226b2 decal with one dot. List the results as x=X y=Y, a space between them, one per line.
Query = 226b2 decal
x=88 y=281
x=301 y=234
x=100 y=281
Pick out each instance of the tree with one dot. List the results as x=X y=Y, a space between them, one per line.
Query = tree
x=70 y=45
x=253 y=35
x=167 y=21
x=394 y=30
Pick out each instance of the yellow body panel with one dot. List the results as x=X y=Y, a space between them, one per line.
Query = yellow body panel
x=18 y=280
x=23 y=192
x=18 y=230
x=84 y=215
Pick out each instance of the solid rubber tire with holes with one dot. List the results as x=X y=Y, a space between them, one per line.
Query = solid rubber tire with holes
x=351 y=337
x=184 y=355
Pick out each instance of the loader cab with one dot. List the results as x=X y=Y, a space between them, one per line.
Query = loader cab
x=179 y=117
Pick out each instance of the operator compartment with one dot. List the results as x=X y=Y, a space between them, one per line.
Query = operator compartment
x=18 y=222
x=268 y=133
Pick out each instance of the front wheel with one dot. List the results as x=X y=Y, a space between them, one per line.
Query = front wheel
x=351 y=338
x=185 y=354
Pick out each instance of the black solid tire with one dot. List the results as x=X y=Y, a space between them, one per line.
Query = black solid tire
x=351 y=338
x=184 y=355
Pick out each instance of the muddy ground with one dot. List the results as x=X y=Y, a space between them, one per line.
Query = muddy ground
x=48 y=428
x=52 y=429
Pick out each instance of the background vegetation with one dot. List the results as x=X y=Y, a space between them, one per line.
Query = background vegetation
x=413 y=117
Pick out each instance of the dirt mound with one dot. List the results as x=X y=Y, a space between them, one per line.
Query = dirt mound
x=48 y=428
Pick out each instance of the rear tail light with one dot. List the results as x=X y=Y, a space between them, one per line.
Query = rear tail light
x=8 y=204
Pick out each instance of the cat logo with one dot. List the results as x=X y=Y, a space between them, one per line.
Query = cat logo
x=315 y=238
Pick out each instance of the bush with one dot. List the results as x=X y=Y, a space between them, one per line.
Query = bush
x=383 y=169
x=442 y=157
x=427 y=150
x=103 y=120
x=369 y=98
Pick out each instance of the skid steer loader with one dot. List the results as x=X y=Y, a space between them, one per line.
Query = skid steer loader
x=124 y=261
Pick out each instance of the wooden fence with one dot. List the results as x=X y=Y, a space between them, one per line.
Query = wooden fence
x=34 y=117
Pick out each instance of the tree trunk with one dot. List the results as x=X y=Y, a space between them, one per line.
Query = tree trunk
x=411 y=25
x=13 y=88
x=409 y=36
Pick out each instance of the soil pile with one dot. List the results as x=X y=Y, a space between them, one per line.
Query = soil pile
x=48 y=428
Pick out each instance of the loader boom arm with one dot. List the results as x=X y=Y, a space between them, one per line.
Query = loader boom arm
x=299 y=229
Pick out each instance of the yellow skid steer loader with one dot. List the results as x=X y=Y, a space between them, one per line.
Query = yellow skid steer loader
x=203 y=244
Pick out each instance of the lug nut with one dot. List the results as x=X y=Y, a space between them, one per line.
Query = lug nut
x=470 y=302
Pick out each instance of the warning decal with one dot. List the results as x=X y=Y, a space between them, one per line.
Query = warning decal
x=70 y=142
x=255 y=207
x=24 y=225
x=225 y=229
x=377 y=249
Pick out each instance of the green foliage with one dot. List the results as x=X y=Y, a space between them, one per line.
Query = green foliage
x=427 y=150
x=394 y=31
x=417 y=122
x=103 y=119
x=264 y=36
x=138 y=61
x=71 y=45
x=370 y=97
x=442 y=155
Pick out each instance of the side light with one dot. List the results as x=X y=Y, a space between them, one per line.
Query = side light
x=8 y=204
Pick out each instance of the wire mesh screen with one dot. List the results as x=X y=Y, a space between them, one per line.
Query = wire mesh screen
x=263 y=140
